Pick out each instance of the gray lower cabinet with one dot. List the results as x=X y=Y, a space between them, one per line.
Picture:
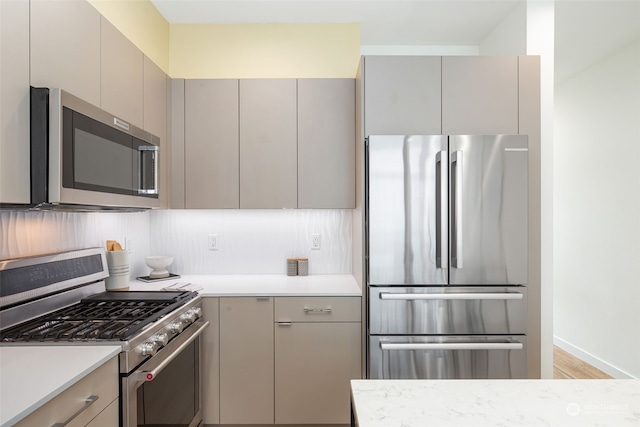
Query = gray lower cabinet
x=210 y=362
x=268 y=143
x=318 y=351
x=282 y=360
x=402 y=95
x=103 y=383
x=479 y=95
x=121 y=82
x=326 y=148
x=14 y=102
x=246 y=360
x=211 y=138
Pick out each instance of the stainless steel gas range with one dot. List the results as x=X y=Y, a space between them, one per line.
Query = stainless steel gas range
x=59 y=299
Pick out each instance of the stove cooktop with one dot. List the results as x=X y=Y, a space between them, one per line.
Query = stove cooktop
x=107 y=316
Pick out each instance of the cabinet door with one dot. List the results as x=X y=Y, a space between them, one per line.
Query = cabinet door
x=402 y=95
x=65 y=47
x=479 y=95
x=155 y=119
x=326 y=143
x=122 y=78
x=268 y=143
x=211 y=362
x=314 y=365
x=14 y=102
x=246 y=360
x=211 y=144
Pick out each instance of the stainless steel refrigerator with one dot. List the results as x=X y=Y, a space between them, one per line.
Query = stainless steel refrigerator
x=446 y=255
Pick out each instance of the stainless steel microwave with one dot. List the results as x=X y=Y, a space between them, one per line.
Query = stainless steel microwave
x=84 y=158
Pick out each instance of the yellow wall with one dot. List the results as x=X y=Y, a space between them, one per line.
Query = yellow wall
x=142 y=23
x=236 y=50
x=264 y=50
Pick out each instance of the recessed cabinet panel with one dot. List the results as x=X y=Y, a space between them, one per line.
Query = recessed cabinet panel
x=121 y=83
x=402 y=95
x=212 y=163
x=326 y=148
x=314 y=365
x=479 y=95
x=65 y=47
x=211 y=362
x=268 y=143
x=246 y=361
x=14 y=102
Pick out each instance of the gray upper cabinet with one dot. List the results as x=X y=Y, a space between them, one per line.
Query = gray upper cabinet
x=211 y=131
x=326 y=148
x=402 y=95
x=155 y=106
x=479 y=95
x=14 y=102
x=121 y=84
x=65 y=47
x=268 y=143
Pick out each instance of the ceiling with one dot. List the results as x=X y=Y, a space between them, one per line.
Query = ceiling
x=586 y=30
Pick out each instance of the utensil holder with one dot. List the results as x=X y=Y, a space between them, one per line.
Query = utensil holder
x=118 y=264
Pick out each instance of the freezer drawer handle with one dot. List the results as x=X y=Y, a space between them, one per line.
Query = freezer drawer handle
x=318 y=310
x=495 y=296
x=87 y=402
x=452 y=346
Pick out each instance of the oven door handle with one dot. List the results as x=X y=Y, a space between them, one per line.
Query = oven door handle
x=143 y=376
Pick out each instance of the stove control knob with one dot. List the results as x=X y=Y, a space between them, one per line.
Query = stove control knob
x=197 y=311
x=148 y=348
x=188 y=317
x=176 y=327
x=160 y=339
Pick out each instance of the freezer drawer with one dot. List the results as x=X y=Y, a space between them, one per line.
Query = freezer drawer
x=447 y=310
x=447 y=357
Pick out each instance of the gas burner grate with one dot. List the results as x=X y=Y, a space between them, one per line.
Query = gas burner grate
x=111 y=320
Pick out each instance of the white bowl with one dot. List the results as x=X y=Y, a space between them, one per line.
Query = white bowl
x=158 y=265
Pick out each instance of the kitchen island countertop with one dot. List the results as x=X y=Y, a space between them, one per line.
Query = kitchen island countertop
x=484 y=403
x=30 y=376
x=261 y=285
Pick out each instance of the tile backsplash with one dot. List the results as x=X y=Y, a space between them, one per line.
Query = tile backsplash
x=249 y=241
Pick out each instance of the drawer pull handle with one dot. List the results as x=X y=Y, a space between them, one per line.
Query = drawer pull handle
x=318 y=310
x=452 y=346
x=87 y=402
x=472 y=296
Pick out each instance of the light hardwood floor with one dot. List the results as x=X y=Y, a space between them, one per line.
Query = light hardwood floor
x=566 y=366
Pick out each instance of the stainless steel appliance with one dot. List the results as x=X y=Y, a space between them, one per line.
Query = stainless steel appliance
x=58 y=299
x=84 y=158
x=446 y=255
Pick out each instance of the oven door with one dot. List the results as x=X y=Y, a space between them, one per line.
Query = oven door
x=166 y=390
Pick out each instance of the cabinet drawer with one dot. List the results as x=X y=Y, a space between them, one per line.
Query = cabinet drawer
x=103 y=383
x=317 y=309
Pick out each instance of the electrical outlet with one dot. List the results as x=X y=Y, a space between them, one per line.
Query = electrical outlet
x=128 y=245
x=315 y=241
x=213 y=242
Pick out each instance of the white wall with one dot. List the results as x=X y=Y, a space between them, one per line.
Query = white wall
x=250 y=241
x=597 y=213
x=509 y=37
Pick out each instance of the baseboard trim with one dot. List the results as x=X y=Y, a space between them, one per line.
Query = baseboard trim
x=591 y=359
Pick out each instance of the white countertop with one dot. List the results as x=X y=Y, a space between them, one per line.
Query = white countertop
x=261 y=285
x=30 y=376
x=508 y=403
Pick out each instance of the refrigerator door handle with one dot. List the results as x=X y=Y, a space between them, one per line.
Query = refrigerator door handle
x=467 y=296
x=453 y=346
x=456 y=229
x=441 y=179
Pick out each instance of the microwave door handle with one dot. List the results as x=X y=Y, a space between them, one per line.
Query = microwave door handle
x=142 y=149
